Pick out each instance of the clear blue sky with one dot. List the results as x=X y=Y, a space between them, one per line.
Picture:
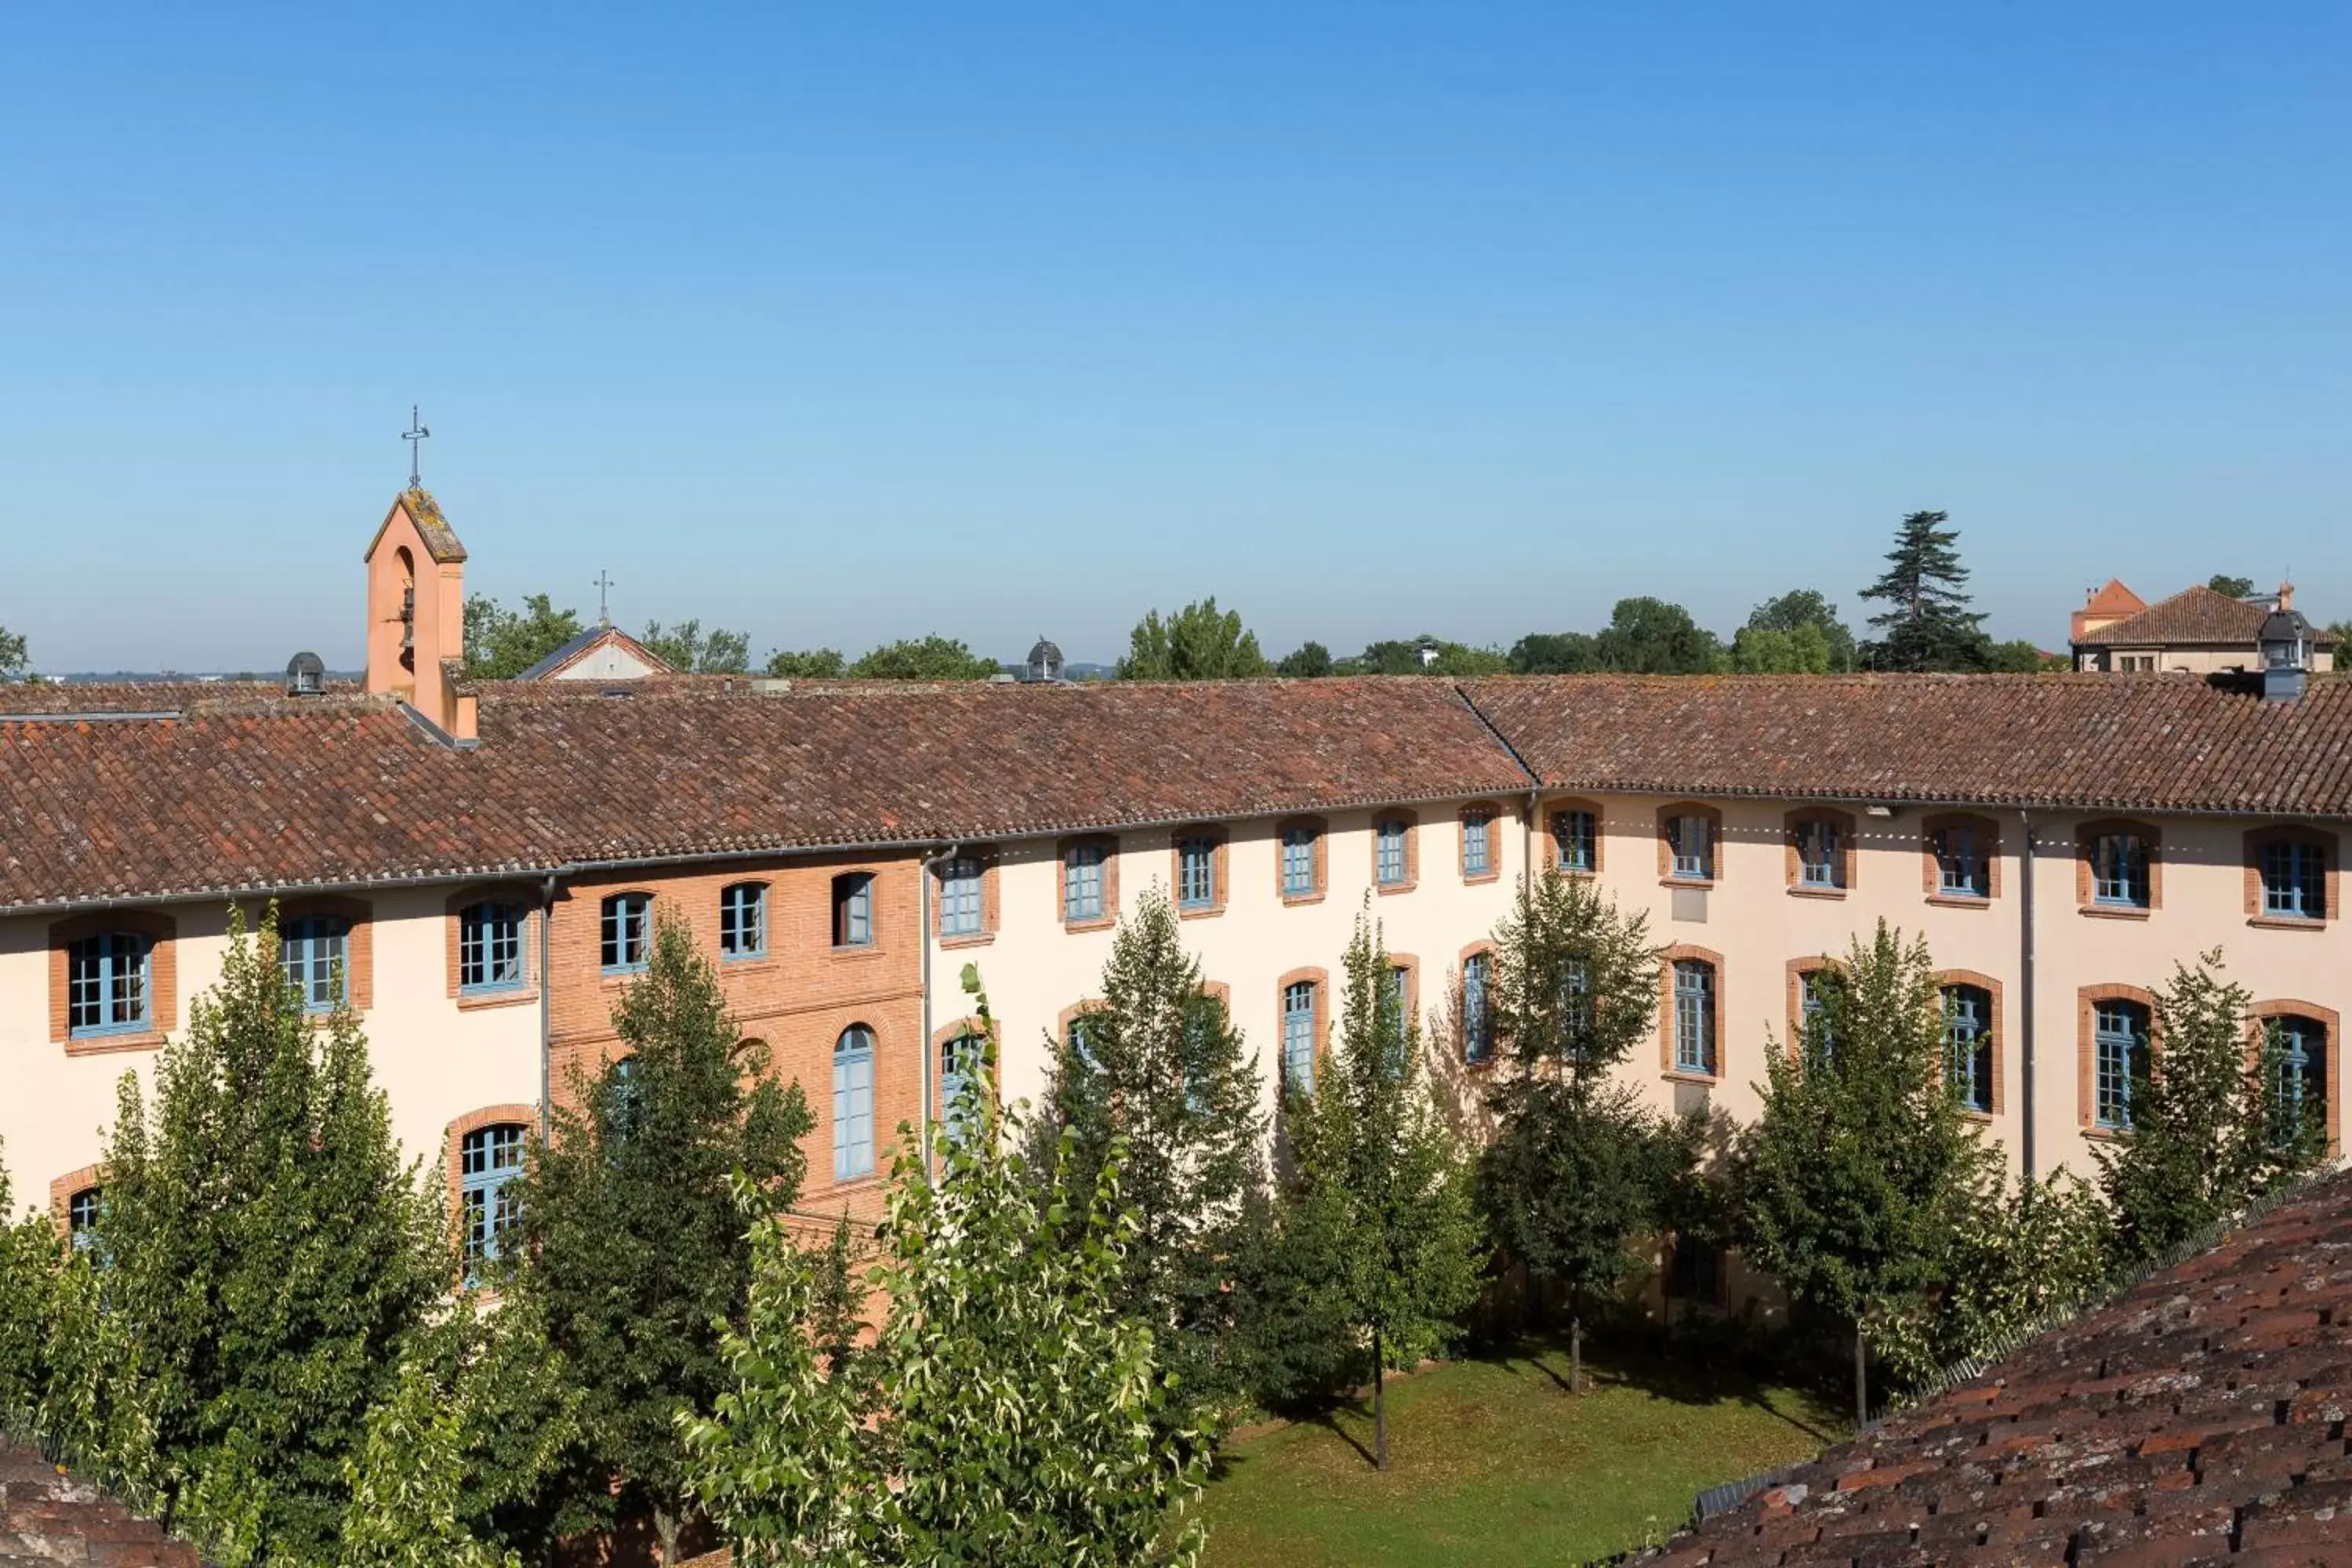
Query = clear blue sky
x=842 y=323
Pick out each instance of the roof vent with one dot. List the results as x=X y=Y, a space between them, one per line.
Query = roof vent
x=1045 y=661
x=306 y=675
x=2285 y=651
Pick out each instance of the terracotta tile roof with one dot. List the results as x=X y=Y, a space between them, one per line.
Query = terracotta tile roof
x=46 y=1516
x=2193 y=616
x=2115 y=599
x=2199 y=1417
x=2088 y=741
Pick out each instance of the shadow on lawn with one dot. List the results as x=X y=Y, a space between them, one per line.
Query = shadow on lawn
x=1695 y=1378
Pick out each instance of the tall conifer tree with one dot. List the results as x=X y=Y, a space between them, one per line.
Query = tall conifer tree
x=1926 y=624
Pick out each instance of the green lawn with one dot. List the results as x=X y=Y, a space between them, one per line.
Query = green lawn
x=1493 y=1461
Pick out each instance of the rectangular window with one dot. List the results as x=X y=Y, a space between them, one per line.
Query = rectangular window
x=1401 y=992
x=1477 y=843
x=1575 y=840
x=1387 y=854
x=312 y=950
x=2300 y=1094
x=743 y=921
x=628 y=932
x=2295 y=882
x=1693 y=838
x=489 y=947
x=1960 y=870
x=1696 y=1268
x=853 y=909
x=2119 y=1043
x=1477 y=1026
x=1693 y=1016
x=1817 y=854
x=1299 y=1036
x=960 y=890
x=1968 y=1043
x=1814 y=996
x=1575 y=1000
x=1082 y=883
x=1196 y=873
x=2119 y=870
x=106 y=983
x=1298 y=862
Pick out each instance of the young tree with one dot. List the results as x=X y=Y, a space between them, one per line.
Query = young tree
x=1008 y=1413
x=2204 y=1132
x=1306 y=660
x=1577 y=1167
x=28 y=1266
x=633 y=1243
x=1863 y=1167
x=1808 y=607
x=1198 y=642
x=1651 y=636
x=1926 y=624
x=265 y=1254
x=13 y=655
x=816 y=664
x=685 y=648
x=408 y=1483
x=2235 y=588
x=928 y=658
x=2015 y=1258
x=1377 y=1225
x=500 y=644
x=1158 y=1071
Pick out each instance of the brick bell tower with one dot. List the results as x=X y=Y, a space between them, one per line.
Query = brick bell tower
x=417 y=613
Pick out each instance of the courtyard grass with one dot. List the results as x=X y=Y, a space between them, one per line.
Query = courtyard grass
x=1492 y=1460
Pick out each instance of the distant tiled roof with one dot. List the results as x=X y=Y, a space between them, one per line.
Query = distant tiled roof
x=584 y=640
x=2199 y=1417
x=2115 y=599
x=2195 y=616
x=2088 y=741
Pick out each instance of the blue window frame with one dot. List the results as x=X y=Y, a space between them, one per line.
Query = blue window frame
x=2119 y=870
x=959 y=891
x=960 y=1059
x=1693 y=841
x=1817 y=854
x=1813 y=989
x=2295 y=882
x=624 y=1109
x=1400 y=993
x=1082 y=883
x=81 y=1217
x=1390 y=863
x=313 y=952
x=628 y=932
x=489 y=1159
x=107 y=989
x=2120 y=1045
x=743 y=921
x=1477 y=1021
x=489 y=947
x=1299 y=1036
x=1693 y=1016
x=853 y=1103
x=1960 y=869
x=853 y=909
x=1298 y=862
x=1968 y=1045
x=2300 y=1092
x=1477 y=842
x=1196 y=872
x=1576 y=841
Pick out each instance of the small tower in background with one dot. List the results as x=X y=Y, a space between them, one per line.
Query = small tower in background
x=417 y=612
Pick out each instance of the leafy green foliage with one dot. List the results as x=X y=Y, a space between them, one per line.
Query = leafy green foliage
x=1007 y=1413
x=633 y=1247
x=265 y=1255
x=2019 y=656
x=1402 y=657
x=1160 y=1082
x=1926 y=624
x=689 y=650
x=932 y=658
x=1651 y=636
x=500 y=644
x=29 y=1259
x=14 y=655
x=1556 y=653
x=2207 y=1132
x=1306 y=660
x=407 y=1484
x=2014 y=1257
x=1803 y=650
x=815 y=664
x=1198 y=642
x=2235 y=588
x=1862 y=1166
x=1802 y=607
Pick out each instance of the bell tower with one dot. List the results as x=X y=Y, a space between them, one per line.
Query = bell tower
x=417 y=613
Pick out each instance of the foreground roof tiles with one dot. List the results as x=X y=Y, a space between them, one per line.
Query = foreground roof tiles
x=2199 y=1417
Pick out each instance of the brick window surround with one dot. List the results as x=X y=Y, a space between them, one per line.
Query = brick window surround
x=990 y=910
x=359 y=943
x=1412 y=967
x=63 y=1188
x=1985 y=835
x=1996 y=1025
x=454 y=1135
x=162 y=979
x=1321 y=852
x=1714 y=819
x=1073 y=1013
x=1321 y=980
x=2261 y=839
x=2086 y=1048
x=1798 y=970
x=941 y=1039
x=1062 y=850
x=1558 y=811
x=2333 y=1022
x=524 y=898
x=1484 y=949
x=1410 y=823
x=1666 y=960
x=1841 y=864
x=1494 y=817
x=2086 y=837
x=1220 y=878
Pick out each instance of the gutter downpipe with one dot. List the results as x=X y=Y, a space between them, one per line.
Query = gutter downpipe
x=2025 y=998
x=923 y=923
x=546 y=1002
x=1528 y=843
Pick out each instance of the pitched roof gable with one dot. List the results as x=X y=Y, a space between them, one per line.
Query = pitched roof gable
x=583 y=642
x=2194 y=616
x=441 y=540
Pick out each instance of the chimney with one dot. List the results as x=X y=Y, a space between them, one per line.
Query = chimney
x=2286 y=595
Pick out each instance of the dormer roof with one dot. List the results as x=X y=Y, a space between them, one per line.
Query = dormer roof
x=441 y=540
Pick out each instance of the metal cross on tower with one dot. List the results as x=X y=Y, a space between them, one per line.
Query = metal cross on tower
x=603 y=588
x=416 y=432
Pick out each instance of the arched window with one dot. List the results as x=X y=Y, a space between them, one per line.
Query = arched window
x=1968 y=1044
x=315 y=952
x=1477 y=1024
x=628 y=931
x=853 y=1103
x=853 y=909
x=2300 y=1090
x=960 y=1059
x=81 y=1217
x=1299 y=1036
x=489 y=1159
x=490 y=946
x=106 y=989
x=743 y=921
x=2119 y=1035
